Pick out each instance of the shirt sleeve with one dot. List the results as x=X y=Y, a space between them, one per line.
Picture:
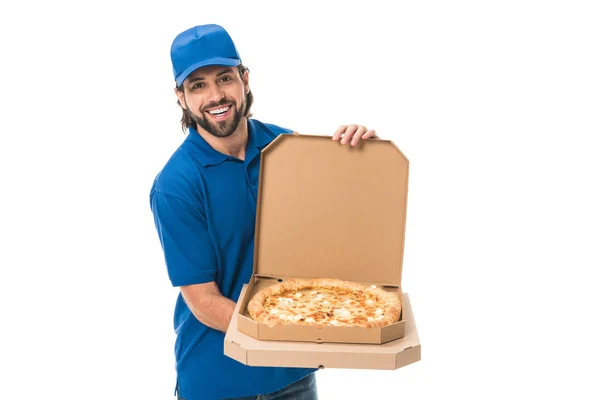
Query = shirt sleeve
x=188 y=249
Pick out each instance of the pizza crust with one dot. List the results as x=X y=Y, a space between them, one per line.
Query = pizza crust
x=324 y=302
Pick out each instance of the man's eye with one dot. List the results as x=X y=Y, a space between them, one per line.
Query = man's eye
x=226 y=79
x=198 y=85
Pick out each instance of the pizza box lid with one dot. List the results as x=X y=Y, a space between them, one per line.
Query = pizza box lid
x=327 y=210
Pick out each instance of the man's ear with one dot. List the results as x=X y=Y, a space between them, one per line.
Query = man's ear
x=246 y=80
x=181 y=98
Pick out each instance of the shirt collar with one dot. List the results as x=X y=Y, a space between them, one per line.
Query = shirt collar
x=208 y=156
x=258 y=137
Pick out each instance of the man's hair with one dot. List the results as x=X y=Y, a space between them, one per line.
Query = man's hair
x=186 y=118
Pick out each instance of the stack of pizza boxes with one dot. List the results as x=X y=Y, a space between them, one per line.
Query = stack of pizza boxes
x=326 y=210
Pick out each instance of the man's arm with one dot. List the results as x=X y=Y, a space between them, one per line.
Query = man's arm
x=208 y=305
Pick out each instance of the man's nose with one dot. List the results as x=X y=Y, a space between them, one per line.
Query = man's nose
x=216 y=94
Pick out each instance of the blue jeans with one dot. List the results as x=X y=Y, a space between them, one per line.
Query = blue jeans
x=304 y=389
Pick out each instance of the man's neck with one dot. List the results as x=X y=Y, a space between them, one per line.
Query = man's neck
x=233 y=145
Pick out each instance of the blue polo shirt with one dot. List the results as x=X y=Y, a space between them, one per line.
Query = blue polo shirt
x=204 y=206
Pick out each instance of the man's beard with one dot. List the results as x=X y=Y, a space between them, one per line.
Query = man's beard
x=220 y=129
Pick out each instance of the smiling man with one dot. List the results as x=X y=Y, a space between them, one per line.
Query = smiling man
x=204 y=207
x=222 y=104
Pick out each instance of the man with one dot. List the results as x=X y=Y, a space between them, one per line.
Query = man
x=204 y=206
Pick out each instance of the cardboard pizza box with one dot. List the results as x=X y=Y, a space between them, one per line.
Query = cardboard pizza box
x=326 y=210
x=388 y=356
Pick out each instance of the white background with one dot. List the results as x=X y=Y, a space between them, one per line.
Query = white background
x=496 y=104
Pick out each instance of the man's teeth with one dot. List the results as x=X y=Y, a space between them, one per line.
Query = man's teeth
x=219 y=110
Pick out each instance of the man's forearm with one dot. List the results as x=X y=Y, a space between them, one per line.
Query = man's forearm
x=214 y=311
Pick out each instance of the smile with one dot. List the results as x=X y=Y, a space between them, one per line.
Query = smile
x=219 y=111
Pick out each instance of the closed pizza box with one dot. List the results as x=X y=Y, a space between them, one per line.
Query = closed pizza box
x=327 y=210
x=388 y=356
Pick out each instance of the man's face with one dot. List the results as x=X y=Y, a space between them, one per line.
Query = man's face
x=215 y=97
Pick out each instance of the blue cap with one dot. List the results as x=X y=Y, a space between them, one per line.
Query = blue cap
x=199 y=47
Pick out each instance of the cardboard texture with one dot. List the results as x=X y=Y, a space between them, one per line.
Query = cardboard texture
x=389 y=356
x=327 y=210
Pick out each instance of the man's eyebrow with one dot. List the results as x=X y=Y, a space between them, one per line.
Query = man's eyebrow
x=201 y=78
x=224 y=72
x=195 y=79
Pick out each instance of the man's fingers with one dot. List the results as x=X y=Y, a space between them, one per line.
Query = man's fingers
x=348 y=134
x=353 y=134
x=369 y=134
x=339 y=131
x=359 y=133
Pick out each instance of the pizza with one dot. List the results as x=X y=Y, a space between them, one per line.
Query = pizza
x=324 y=302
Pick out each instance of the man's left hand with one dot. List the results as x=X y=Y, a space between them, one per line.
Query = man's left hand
x=353 y=133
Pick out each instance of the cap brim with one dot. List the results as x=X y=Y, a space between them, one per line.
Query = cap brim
x=226 y=62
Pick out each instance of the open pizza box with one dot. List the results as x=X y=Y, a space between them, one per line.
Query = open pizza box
x=327 y=210
x=260 y=353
